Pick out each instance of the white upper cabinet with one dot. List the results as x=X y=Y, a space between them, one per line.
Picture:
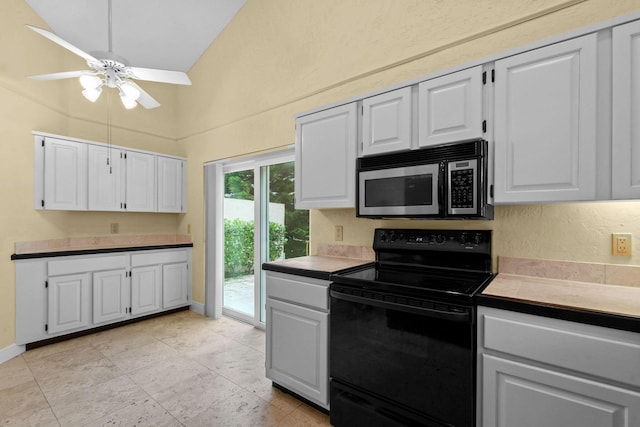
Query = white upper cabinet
x=626 y=108
x=73 y=174
x=450 y=107
x=141 y=182
x=106 y=179
x=65 y=175
x=545 y=123
x=386 y=122
x=325 y=158
x=170 y=184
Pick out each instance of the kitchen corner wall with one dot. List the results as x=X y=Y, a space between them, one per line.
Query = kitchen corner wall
x=59 y=108
x=278 y=58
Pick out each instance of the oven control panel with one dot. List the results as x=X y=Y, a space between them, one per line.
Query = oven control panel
x=437 y=240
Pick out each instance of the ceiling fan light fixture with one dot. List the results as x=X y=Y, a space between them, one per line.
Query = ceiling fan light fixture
x=89 y=81
x=128 y=102
x=92 y=94
x=130 y=90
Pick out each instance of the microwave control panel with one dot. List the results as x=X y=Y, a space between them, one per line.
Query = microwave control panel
x=463 y=186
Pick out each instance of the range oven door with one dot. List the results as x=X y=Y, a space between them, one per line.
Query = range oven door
x=397 y=365
x=401 y=191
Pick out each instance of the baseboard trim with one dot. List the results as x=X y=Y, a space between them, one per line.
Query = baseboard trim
x=10 y=352
x=197 y=307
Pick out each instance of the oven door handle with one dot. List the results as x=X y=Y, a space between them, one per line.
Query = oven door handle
x=453 y=316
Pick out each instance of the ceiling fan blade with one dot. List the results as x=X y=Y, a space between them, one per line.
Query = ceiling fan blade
x=145 y=99
x=65 y=44
x=161 y=76
x=62 y=75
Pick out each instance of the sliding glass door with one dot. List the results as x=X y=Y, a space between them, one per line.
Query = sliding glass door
x=260 y=225
x=239 y=226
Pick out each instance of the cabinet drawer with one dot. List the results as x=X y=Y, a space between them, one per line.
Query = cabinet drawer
x=519 y=394
x=298 y=289
x=158 y=258
x=603 y=352
x=75 y=265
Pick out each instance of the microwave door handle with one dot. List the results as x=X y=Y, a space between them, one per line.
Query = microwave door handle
x=441 y=188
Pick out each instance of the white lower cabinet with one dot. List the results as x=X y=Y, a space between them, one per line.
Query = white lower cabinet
x=174 y=285
x=67 y=294
x=543 y=372
x=110 y=295
x=68 y=303
x=146 y=289
x=297 y=335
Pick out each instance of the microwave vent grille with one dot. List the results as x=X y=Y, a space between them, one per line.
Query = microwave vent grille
x=459 y=150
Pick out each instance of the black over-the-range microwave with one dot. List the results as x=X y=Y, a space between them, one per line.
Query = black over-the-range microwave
x=445 y=181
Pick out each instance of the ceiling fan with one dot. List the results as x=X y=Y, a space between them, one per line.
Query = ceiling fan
x=110 y=70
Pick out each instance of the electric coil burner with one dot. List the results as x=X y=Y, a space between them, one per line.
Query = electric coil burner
x=403 y=333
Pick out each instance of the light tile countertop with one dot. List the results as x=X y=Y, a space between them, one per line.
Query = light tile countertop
x=321 y=263
x=329 y=259
x=599 y=288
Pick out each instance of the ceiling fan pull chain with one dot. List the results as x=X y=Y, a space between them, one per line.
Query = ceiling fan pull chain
x=109 y=129
x=110 y=23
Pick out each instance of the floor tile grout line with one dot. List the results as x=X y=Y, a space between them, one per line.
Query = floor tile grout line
x=44 y=396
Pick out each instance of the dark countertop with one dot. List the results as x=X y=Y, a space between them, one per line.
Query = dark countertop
x=104 y=250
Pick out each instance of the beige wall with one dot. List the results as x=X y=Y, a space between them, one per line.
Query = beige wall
x=278 y=58
x=58 y=107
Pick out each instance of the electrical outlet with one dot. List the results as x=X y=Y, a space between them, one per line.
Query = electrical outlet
x=188 y=228
x=621 y=244
x=115 y=228
x=338 y=233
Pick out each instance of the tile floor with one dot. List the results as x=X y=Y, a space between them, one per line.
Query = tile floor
x=181 y=369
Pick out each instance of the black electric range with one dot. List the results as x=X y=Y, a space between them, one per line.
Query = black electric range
x=402 y=332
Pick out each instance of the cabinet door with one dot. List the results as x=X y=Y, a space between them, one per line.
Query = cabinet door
x=326 y=159
x=146 y=289
x=141 y=182
x=517 y=394
x=174 y=285
x=68 y=302
x=450 y=107
x=297 y=350
x=626 y=105
x=110 y=296
x=106 y=178
x=170 y=184
x=386 y=122
x=545 y=124
x=65 y=175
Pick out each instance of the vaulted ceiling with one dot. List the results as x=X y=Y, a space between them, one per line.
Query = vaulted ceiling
x=162 y=34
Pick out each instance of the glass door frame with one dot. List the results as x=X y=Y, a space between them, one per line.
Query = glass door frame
x=214 y=219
